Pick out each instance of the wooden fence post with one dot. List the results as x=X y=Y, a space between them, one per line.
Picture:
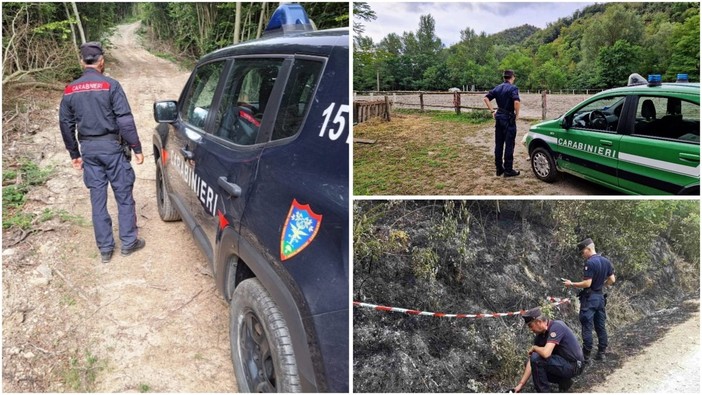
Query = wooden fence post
x=421 y=102
x=387 y=109
x=544 y=106
x=457 y=102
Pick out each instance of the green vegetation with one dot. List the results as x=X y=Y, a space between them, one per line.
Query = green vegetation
x=82 y=372
x=188 y=30
x=597 y=47
x=143 y=388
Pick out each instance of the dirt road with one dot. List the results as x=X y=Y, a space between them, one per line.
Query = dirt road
x=670 y=365
x=149 y=322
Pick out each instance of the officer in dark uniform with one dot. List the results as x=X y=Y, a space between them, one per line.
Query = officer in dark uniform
x=507 y=97
x=555 y=357
x=598 y=273
x=97 y=107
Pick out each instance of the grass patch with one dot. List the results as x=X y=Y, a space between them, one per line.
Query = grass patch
x=17 y=181
x=82 y=372
x=465 y=117
x=143 y=388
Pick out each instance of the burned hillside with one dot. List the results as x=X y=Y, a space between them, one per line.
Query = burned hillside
x=472 y=257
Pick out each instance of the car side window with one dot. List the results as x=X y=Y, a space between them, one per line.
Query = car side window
x=668 y=118
x=601 y=115
x=297 y=97
x=197 y=103
x=245 y=99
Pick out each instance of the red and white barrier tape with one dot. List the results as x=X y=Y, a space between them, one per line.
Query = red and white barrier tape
x=554 y=302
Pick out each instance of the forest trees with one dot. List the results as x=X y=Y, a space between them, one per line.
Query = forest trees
x=41 y=40
x=596 y=48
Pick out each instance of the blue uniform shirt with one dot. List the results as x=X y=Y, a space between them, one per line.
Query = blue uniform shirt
x=567 y=345
x=95 y=105
x=504 y=94
x=597 y=268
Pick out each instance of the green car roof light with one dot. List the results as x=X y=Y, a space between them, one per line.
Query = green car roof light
x=288 y=18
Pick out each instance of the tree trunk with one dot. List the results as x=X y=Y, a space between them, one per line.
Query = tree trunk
x=261 y=19
x=237 y=22
x=78 y=22
x=73 y=31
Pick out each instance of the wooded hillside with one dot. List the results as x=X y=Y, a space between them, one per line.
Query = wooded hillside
x=501 y=256
x=597 y=47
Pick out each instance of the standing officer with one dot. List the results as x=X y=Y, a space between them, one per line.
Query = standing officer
x=598 y=273
x=98 y=107
x=506 y=96
x=555 y=356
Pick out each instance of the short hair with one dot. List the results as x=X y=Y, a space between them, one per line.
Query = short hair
x=507 y=74
x=92 y=61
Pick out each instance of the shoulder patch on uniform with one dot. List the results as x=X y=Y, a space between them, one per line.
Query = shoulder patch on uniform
x=553 y=334
x=300 y=228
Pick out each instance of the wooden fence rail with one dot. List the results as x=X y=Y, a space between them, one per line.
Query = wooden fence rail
x=365 y=110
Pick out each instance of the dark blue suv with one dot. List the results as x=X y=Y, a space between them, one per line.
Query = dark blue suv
x=253 y=157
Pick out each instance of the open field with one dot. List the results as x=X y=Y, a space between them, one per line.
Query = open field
x=439 y=153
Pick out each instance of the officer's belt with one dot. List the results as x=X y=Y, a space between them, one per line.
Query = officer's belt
x=102 y=137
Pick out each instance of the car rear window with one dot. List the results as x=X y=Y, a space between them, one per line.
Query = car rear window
x=668 y=118
x=297 y=97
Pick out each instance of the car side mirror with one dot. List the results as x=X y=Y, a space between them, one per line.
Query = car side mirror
x=567 y=122
x=166 y=111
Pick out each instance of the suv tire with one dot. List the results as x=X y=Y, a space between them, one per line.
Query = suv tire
x=166 y=210
x=543 y=165
x=261 y=346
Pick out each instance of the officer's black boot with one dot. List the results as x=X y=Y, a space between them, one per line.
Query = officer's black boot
x=600 y=355
x=586 y=354
x=565 y=385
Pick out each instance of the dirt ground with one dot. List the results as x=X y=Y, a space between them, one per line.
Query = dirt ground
x=660 y=354
x=670 y=365
x=470 y=171
x=150 y=322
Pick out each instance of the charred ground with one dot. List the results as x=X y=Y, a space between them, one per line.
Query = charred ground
x=492 y=256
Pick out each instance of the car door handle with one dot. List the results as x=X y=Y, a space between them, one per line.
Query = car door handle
x=606 y=142
x=187 y=154
x=231 y=189
x=689 y=157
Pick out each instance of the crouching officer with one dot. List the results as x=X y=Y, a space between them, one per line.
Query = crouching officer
x=506 y=96
x=598 y=273
x=97 y=106
x=555 y=356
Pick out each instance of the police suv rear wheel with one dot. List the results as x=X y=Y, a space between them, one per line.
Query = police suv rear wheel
x=262 y=350
x=543 y=165
x=165 y=207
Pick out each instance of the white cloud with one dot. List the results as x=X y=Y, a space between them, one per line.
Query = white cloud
x=451 y=18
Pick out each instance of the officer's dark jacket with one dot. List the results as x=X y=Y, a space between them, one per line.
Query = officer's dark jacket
x=504 y=94
x=97 y=105
x=567 y=345
x=597 y=268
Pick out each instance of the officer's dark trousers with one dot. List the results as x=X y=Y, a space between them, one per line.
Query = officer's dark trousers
x=592 y=311
x=505 y=134
x=104 y=163
x=554 y=369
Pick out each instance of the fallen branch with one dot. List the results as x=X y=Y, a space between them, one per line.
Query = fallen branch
x=24 y=234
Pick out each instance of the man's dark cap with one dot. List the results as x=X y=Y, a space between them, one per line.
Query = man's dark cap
x=531 y=315
x=90 y=51
x=583 y=244
x=508 y=74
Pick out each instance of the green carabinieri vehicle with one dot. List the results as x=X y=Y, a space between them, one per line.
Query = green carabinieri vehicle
x=640 y=139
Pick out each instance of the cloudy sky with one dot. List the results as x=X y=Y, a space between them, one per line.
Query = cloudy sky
x=452 y=17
